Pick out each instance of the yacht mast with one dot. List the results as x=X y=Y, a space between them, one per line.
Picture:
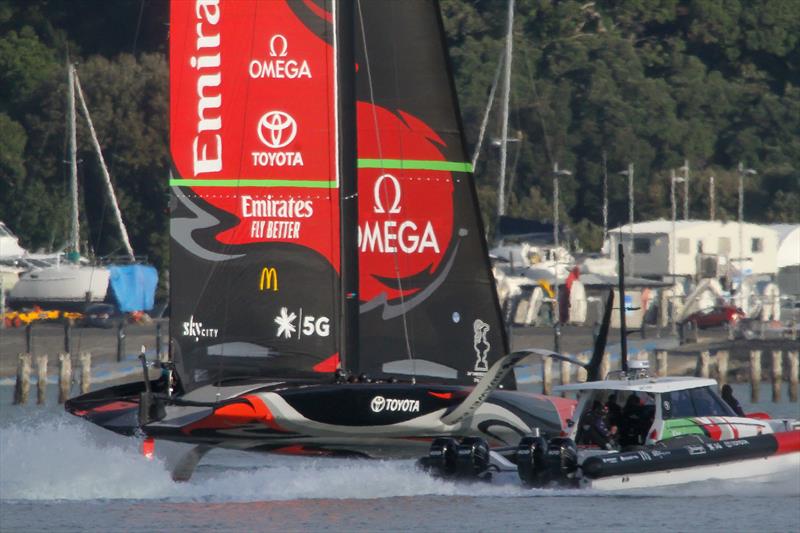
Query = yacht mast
x=345 y=87
x=74 y=239
x=109 y=187
x=501 y=200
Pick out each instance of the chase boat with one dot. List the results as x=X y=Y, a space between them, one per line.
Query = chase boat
x=689 y=433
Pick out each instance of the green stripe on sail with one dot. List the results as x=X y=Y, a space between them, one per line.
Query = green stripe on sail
x=415 y=164
x=312 y=184
x=401 y=164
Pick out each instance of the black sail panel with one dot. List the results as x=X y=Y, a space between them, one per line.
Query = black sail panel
x=428 y=303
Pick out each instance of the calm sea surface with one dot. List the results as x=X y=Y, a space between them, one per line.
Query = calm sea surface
x=58 y=473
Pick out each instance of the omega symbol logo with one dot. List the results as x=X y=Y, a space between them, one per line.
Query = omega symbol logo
x=278 y=46
x=277 y=129
x=395 y=186
x=377 y=404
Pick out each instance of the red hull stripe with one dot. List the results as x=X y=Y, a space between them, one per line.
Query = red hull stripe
x=788 y=442
x=114 y=406
x=442 y=395
x=236 y=415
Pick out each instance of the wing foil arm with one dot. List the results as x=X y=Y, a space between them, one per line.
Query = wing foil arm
x=490 y=381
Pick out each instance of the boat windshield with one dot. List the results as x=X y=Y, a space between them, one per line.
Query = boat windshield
x=702 y=401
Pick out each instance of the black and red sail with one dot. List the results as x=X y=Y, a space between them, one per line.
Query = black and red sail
x=255 y=277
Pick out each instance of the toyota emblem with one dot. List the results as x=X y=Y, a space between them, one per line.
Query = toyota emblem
x=377 y=404
x=277 y=129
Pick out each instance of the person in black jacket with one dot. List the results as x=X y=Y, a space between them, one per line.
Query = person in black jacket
x=727 y=395
x=595 y=428
x=631 y=422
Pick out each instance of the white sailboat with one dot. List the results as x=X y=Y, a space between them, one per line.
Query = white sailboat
x=75 y=282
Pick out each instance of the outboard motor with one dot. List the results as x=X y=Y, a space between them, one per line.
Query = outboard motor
x=441 y=460
x=540 y=463
x=467 y=460
x=562 y=459
x=472 y=458
x=530 y=459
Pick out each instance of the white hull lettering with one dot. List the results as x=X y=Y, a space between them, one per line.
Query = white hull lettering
x=380 y=403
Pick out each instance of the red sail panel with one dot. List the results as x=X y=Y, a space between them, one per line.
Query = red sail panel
x=406 y=215
x=252 y=114
x=255 y=212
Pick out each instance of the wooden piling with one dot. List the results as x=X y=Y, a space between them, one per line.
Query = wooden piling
x=755 y=375
x=722 y=366
x=793 y=374
x=161 y=356
x=777 y=375
x=605 y=365
x=566 y=370
x=581 y=376
x=703 y=369
x=662 y=363
x=120 y=341
x=23 y=385
x=64 y=376
x=29 y=337
x=547 y=376
x=41 y=377
x=86 y=371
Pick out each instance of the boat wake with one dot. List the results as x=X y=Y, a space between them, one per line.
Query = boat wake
x=49 y=456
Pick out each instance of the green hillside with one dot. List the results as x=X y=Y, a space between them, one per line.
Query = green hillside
x=652 y=82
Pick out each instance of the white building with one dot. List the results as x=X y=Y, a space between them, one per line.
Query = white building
x=698 y=248
x=788 y=257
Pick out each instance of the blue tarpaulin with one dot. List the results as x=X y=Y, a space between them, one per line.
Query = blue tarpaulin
x=134 y=287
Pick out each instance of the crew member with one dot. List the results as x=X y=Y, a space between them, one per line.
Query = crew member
x=631 y=422
x=595 y=428
x=727 y=395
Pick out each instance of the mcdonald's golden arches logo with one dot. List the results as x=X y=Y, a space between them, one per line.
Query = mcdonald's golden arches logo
x=269 y=279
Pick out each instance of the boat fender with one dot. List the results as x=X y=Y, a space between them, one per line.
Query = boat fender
x=659 y=458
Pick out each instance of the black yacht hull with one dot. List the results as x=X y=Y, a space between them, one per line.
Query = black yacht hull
x=379 y=420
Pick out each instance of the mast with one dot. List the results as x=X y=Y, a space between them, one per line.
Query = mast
x=501 y=200
x=73 y=163
x=109 y=188
x=345 y=83
x=623 y=332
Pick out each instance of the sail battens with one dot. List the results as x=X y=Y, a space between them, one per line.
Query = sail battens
x=248 y=182
x=415 y=164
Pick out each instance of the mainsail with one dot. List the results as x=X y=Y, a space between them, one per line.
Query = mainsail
x=255 y=226
x=429 y=306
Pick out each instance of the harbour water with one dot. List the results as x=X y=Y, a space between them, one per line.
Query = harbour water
x=58 y=473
